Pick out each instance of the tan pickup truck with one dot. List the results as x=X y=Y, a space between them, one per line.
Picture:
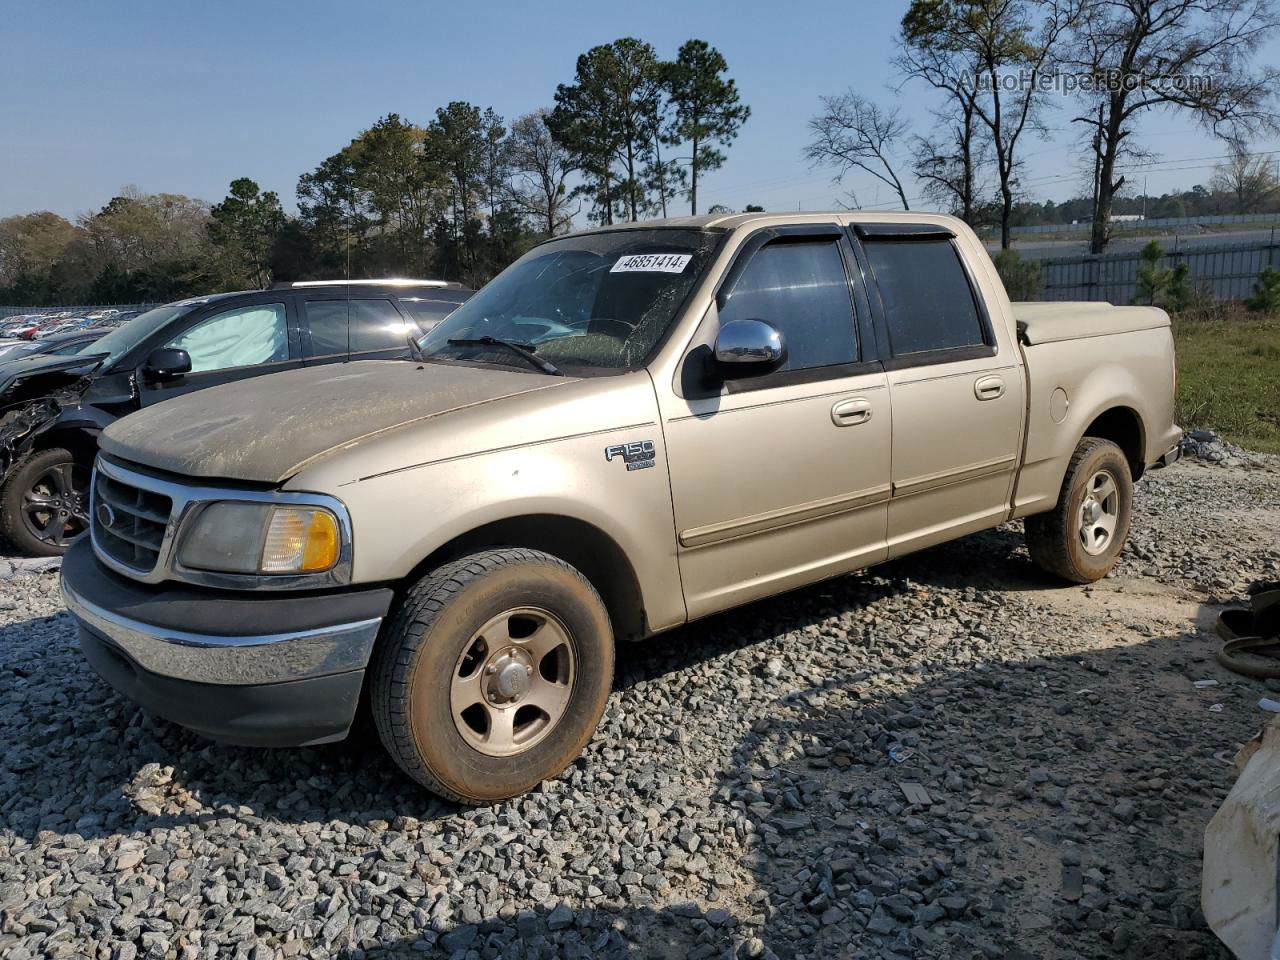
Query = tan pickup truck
x=629 y=429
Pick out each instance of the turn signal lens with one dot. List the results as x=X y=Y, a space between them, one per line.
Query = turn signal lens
x=300 y=540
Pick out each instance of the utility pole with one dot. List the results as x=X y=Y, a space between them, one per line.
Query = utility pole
x=1144 y=196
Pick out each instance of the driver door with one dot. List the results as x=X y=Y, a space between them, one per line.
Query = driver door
x=782 y=479
x=233 y=344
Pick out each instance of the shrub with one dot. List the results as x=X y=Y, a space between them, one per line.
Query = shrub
x=1022 y=278
x=1266 y=293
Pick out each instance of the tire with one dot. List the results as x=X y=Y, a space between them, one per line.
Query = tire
x=50 y=477
x=465 y=731
x=1075 y=540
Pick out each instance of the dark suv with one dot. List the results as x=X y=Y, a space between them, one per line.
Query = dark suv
x=52 y=408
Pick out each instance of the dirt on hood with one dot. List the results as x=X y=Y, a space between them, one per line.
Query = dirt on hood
x=267 y=428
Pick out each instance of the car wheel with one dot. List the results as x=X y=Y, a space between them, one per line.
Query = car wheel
x=44 y=503
x=493 y=673
x=1081 y=538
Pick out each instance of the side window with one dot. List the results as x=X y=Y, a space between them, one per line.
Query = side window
x=427 y=313
x=928 y=304
x=327 y=320
x=377 y=325
x=802 y=290
x=238 y=338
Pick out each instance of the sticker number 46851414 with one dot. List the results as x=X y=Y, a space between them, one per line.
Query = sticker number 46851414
x=652 y=263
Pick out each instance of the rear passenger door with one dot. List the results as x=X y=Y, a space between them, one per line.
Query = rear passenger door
x=360 y=328
x=956 y=388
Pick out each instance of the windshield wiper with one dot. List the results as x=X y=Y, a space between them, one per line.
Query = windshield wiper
x=522 y=350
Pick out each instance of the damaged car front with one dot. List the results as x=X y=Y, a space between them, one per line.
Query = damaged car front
x=52 y=410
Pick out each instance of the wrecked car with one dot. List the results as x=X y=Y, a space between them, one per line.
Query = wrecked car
x=53 y=408
x=628 y=429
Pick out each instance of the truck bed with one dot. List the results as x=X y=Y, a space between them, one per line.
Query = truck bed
x=1079 y=320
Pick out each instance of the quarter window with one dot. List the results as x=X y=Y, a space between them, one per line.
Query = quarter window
x=237 y=338
x=801 y=289
x=427 y=312
x=928 y=304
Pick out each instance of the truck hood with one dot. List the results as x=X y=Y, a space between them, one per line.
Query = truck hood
x=268 y=428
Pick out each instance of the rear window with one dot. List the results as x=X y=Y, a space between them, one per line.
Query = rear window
x=928 y=303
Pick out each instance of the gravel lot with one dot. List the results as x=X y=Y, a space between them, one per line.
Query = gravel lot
x=948 y=756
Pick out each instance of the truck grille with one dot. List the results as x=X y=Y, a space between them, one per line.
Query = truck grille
x=129 y=522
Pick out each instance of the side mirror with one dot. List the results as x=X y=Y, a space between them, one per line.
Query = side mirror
x=748 y=348
x=166 y=363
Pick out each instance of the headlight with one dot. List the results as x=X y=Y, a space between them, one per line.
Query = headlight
x=254 y=538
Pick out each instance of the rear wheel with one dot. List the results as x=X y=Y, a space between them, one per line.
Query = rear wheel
x=493 y=674
x=1081 y=538
x=44 y=503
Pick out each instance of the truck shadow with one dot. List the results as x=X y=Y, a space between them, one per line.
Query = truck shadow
x=829 y=851
x=1073 y=834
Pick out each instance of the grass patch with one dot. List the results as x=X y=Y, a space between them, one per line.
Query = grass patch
x=1229 y=375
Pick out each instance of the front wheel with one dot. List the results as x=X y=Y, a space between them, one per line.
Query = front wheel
x=1080 y=539
x=44 y=503
x=493 y=674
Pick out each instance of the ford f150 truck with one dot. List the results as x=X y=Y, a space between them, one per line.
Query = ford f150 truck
x=630 y=428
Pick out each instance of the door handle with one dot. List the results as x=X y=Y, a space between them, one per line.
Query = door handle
x=850 y=413
x=989 y=388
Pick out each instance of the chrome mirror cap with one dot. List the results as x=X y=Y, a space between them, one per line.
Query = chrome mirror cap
x=750 y=342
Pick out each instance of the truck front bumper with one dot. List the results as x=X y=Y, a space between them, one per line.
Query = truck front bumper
x=254 y=669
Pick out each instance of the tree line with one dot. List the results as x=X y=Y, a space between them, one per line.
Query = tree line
x=997 y=68
x=630 y=136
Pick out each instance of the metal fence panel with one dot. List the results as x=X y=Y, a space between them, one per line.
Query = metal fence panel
x=1228 y=272
x=1118 y=225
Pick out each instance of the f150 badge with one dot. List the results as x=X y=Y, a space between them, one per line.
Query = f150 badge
x=637 y=455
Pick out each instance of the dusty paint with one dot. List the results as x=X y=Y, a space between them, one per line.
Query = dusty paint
x=268 y=428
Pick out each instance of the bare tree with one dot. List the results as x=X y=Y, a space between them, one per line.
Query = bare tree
x=540 y=169
x=948 y=164
x=1190 y=55
x=1006 y=41
x=1247 y=177
x=854 y=133
x=933 y=51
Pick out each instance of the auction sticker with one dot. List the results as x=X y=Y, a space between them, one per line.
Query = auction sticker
x=652 y=263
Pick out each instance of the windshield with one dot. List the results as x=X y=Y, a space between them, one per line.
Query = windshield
x=131 y=333
x=597 y=302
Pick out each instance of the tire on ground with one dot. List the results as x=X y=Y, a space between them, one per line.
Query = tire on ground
x=22 y=475
x=1054 y=539
x=416 y=659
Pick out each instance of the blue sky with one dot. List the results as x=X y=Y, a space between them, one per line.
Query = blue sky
x=184 y=96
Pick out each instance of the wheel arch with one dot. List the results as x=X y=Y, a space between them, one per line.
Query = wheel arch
x=80 y=440
x=583 y=545
x=1123 y=426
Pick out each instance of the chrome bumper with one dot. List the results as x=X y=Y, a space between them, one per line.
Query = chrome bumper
x=230 y=660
